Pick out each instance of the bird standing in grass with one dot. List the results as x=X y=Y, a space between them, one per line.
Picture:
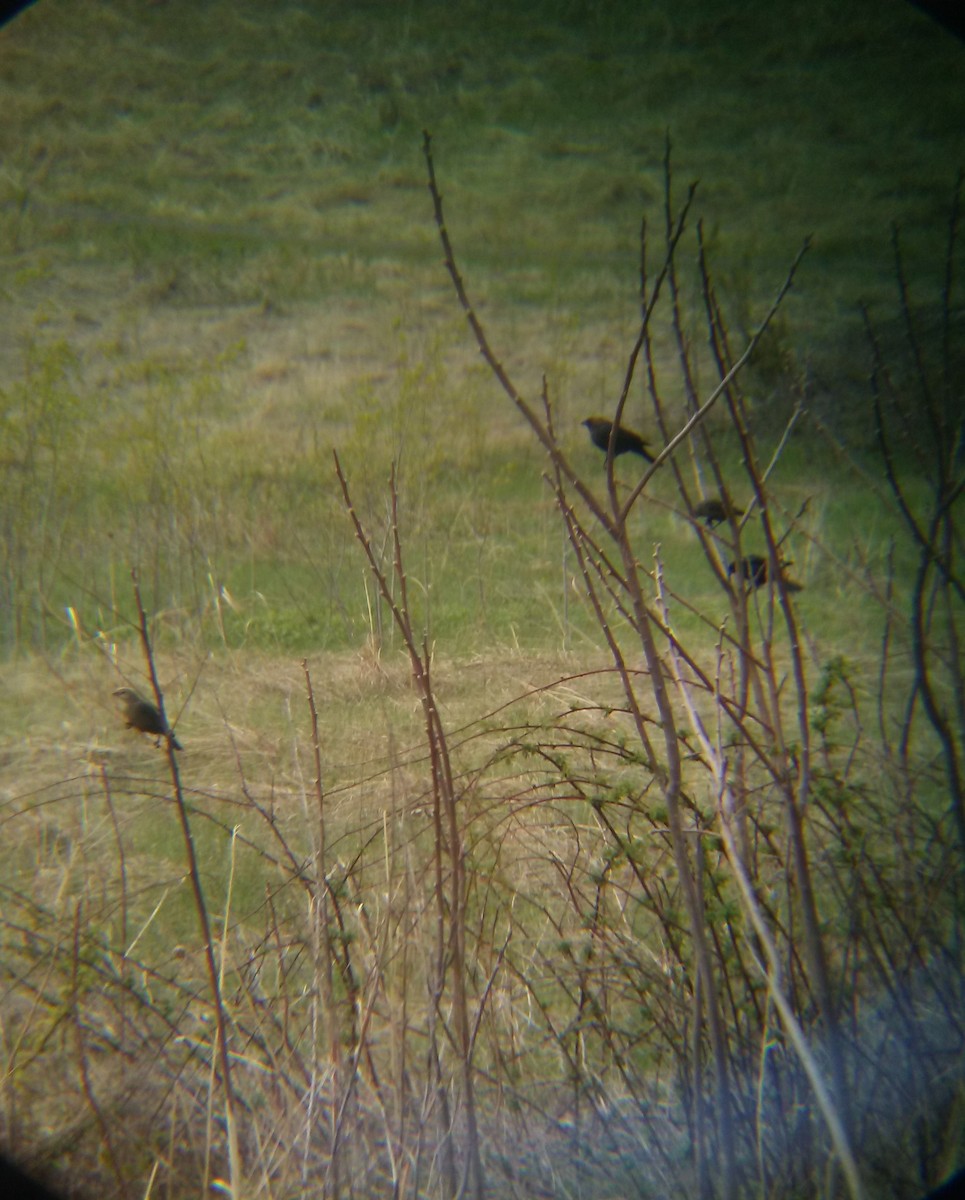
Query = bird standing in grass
x=715 y=511
x=625 y=441
x=753 y=569
x=142 y=715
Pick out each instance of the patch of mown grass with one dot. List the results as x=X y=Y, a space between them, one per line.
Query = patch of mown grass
x=226 y=224
x=229 y=120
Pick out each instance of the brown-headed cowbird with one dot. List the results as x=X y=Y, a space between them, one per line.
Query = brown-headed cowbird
x=142 y=715
x=753 y=569
x=716 y=510
x=625 y=441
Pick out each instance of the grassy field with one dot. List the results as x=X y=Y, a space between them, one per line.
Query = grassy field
x=219 y=266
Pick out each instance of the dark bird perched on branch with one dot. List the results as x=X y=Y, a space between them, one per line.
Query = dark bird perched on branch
x=753 y=569
x=625 y=441
x=142 y=715
x=715 y=511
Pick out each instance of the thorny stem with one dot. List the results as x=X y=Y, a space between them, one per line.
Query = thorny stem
x=669 y=773
x=201 y=907
x=451 y=948
x=325 y=992
x=548 y=441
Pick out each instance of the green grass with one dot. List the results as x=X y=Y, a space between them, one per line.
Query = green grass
x=222 y=219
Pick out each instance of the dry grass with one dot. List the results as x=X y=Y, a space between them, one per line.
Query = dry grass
x=91 y=846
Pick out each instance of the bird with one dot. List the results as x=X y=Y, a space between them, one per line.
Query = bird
x=753 y=569
x=142 y=715
x=625 y=441
x=715 y=511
